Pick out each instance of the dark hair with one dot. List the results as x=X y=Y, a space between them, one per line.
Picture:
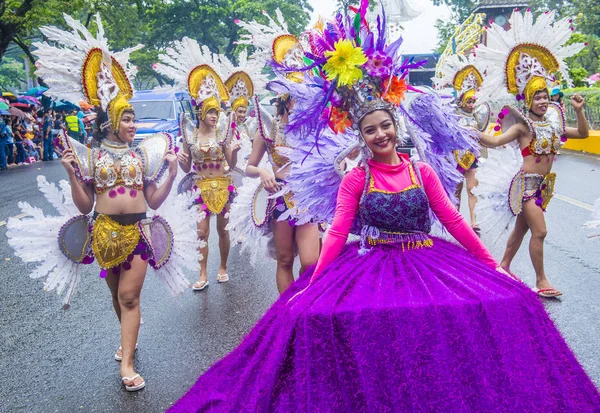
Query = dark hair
x=102 y=117
x=281 y=104
x=392 y=118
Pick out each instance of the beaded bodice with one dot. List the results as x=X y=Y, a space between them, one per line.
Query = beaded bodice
x=117 y=166
x=546 y=138
x=406 y=211
x=208 y=153
x=275 y=141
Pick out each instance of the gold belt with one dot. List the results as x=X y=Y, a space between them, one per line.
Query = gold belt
x=215 y=192
x=112 y=242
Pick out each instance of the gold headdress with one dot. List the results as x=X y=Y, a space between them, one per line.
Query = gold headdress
x=241 y=89
x=196 y=69
x=85 y=66
x=460 y=71
x=522 y=59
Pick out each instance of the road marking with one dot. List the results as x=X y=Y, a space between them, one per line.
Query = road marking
x=574 y=201
x=3 y=223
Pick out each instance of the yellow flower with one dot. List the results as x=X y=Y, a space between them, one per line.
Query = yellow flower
x=343 y=61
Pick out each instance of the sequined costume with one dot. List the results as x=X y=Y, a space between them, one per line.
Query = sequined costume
x=521 y=62
x=215 y=193
x=94 y=73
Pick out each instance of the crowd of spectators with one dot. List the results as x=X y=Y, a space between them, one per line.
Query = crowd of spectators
x=29 y=139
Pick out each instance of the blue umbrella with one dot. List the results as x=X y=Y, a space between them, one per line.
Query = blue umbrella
x=62 y=105
x=36 y=91
x=4 y=112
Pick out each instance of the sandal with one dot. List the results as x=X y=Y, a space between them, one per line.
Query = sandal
x=132 y=386
x=199 y=285
x=222 y=278
x=119 y=352
x=549 y=292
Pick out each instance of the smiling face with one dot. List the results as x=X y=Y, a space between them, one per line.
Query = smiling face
x=211 y=118
x=127 y=127
x=240 y=114
x=539 y=103
x=379 y=132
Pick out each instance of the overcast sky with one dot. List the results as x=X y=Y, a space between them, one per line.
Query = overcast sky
x=419 y=35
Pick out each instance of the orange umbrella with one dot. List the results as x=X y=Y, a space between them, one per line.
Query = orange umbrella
x=84 y=105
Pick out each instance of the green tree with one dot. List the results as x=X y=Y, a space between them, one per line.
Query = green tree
x=12 y=74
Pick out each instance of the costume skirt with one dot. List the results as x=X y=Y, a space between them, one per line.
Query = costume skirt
x=426 y=330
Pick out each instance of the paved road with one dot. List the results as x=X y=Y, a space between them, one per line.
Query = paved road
x=61 y=361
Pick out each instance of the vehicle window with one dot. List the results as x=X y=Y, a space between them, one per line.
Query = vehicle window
x=153 y=109
x=188 y=108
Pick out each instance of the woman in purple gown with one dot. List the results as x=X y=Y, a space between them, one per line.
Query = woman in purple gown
x=400 y=321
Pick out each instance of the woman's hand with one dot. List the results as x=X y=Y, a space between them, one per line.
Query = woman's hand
x=183 y=157
x=268 y=181
x=577 y=101
x=171 y=160
x=67 y=161
x=234 y=146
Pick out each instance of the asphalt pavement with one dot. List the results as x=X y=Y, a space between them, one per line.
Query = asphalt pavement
x=53 y=360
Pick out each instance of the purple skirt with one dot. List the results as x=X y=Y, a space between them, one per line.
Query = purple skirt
x=429 y=330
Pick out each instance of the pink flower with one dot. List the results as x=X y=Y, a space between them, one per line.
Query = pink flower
x=378 y=64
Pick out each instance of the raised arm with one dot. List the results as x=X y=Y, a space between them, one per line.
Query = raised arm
x=451 y=218
x=582 y=130
x=345 y=212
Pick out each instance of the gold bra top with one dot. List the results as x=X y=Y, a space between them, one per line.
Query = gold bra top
x=275 y=157
x=117 y=166
x=208 y=154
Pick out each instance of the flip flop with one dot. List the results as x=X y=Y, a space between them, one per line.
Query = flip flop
x=222 y=278
x=133 y=387
x=200 y=285
x=549 y=292
x=120 y=357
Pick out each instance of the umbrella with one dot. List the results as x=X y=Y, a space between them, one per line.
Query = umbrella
x=36 y=91
x=595 y=77
x=29 y=99
x=4 y=112
x=90 y=117
x=16 y=112
x=62 y=105
x=9 y=96
x=84 y=105
x=21 y=105
x=3 y=106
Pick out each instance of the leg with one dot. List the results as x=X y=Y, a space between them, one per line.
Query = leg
x=535 y=219
x=514 y=241
x=10 y=154
x=2 y=155
x=307 y=239
x=129 y=290
x=283 y=235
x=112 y=281
x=458 y=193
x=203 y=233
x=224 y=244
x=471 y=183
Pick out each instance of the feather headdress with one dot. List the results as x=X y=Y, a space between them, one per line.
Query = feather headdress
x=81 y=65
x=522 y=59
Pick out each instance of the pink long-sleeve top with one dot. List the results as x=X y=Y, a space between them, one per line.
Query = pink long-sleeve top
x=395 y=178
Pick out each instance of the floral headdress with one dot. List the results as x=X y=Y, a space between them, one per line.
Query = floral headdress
x=463 y=74
x=196 y=69
x=522 y=59
x=350 y=71
x=85 y=67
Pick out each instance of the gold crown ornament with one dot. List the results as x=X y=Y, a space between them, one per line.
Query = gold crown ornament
x=241 y=89
x=207 y=89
